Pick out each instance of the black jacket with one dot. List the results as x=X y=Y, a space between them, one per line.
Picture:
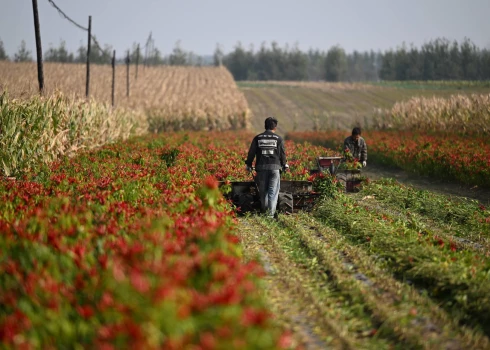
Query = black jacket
x=269 y=150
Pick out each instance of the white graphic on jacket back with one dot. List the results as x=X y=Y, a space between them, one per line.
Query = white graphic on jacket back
x=267 y=146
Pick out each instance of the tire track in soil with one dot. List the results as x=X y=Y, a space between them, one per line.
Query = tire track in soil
x=299 y=315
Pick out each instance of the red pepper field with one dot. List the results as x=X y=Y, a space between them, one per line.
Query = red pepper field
x=464 y=159
x=132 y=245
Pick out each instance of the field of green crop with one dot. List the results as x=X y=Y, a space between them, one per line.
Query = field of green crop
x=321 y=106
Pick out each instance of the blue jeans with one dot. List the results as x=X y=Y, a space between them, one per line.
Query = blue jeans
x=269 y=184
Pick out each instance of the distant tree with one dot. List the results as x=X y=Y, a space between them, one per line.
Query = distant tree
x=135 y=53
x=59 y=54
x=218 y=56
x=413 y=64
x=469 y=60
x=23 y=55
x=485 y=64
x=371 y=62
x=455 y=61
x=193 y=59
x=355 y=69
x=266 y=69
x=178 y=57
x=96 y=56
x=442 y=63
x=388 y=66
x=81 y=54
x=436 y=59
x=156 y=58
x=335 y=64
x=315 y=65
x=296 y=65
x=3 y=53
x=239 y=63
x=402 y=64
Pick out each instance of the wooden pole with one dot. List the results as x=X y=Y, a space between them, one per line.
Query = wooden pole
x=39 y=48
x=137 y=61
x=113 y=76
x=87 y=86
x=128 y=61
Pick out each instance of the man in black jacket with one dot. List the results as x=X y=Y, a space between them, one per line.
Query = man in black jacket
x=268 y=149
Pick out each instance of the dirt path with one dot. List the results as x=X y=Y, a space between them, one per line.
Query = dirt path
x=375 y=172
x=293 y=313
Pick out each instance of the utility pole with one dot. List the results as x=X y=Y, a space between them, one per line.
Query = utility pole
x=113 y=75
x=128 y=61
x=137 y=61
x=87 y=86
x=39 y=48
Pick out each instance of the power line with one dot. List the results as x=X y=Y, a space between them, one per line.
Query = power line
x=60 y=11
x=66 y=16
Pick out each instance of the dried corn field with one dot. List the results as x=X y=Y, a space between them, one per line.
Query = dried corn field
x=174 y=98
x=468 y=114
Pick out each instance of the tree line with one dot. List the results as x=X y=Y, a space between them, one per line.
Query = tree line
x=61 y=54
x=438 y=59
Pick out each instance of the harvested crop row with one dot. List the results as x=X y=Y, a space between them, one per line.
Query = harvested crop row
x=338 y=319
x=392 y=302
x=456 y=278
x=465 y=222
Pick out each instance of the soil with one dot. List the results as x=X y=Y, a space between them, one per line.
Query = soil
x=375 y=172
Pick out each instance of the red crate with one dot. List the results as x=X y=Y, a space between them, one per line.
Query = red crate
x=325 y=162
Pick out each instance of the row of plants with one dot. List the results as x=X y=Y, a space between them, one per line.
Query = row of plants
x=443 y=156
x=465 y=218
x=131 y=245
x=455 y=277
x=391 y=303
x=372 y=306
x=334 y=315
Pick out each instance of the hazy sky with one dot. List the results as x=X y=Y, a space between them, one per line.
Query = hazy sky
x=200 y=24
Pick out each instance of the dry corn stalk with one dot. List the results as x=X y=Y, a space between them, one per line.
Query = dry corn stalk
x=174 y=97
x=39 y=130
x=468 y=114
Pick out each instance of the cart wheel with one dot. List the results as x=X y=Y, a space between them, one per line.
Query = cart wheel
x=285 y=202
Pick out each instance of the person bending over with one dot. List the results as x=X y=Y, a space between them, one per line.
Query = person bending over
x=356 y=146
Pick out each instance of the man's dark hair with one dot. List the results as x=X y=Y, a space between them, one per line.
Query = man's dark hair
x=356 y=131
x=270 y=123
